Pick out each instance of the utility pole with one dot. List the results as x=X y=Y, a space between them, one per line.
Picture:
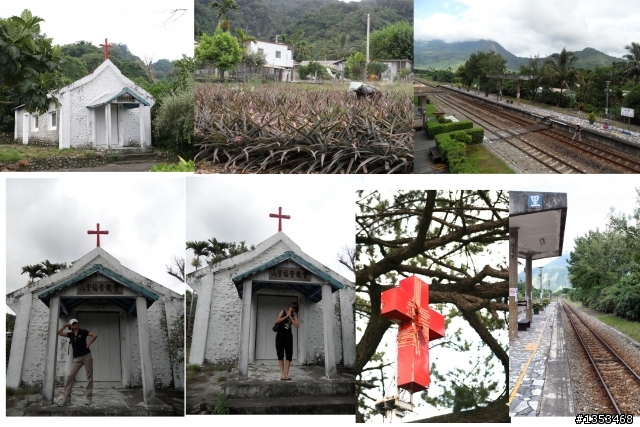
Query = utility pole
x=607 y=82
x=540 y=284
x=366 y=65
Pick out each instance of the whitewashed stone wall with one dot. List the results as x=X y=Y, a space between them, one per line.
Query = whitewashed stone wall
x=44 y=134
x=222 y=340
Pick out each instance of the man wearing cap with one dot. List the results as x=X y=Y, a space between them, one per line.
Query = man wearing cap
x=81 y=356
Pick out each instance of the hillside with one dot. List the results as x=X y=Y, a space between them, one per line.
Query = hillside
x=318 y=19
x=554 y=274
x=440 y=55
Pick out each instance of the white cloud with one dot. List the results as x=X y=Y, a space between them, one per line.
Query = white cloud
x=542 y=27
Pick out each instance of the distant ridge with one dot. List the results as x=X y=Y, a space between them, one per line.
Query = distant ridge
x=441 y=55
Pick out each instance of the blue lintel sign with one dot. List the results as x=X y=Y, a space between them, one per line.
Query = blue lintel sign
x=534 y=201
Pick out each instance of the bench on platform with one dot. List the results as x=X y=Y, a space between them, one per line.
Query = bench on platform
x=523 y=324
x=435 y=155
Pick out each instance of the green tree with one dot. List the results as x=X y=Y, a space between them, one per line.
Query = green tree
x=393 y=42
x=313 y=69
x=29 y=63
x=219 y=251
x=376 y=68
x=224 y=7
x=354 y=68
x=200 y=249
x=632 y=66
x=559 y=69
x=221 y=49
x=482 y=63
x=340 y=47
x=243 y=38
x=441 y=235
x=49 y=268
x=34 y=271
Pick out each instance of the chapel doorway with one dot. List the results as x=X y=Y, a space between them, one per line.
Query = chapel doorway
x=115 y=123
x=268 y=308
x=106 y=349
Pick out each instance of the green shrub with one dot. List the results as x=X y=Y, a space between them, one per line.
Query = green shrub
x=454 y=151
x=477 y=135
x=174 y=123
x=434 y=129
x=221 y=405
x=183 y=166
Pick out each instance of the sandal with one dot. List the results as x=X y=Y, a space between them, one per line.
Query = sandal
x=283 y=379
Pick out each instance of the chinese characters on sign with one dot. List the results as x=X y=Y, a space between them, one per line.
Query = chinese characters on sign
x=295 y=274
x=535 y=201
x=92 y=287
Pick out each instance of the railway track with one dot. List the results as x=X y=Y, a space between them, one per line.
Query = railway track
x=615 y=375
x=541 y=156
x=612 y=160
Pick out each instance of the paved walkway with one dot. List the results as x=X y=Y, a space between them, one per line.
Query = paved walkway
x=528 y=353
x=422 y=162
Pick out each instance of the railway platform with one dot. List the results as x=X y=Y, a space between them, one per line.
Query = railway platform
x=528 y=364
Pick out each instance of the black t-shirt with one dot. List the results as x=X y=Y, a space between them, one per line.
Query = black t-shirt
x=285 y=325
x=79 y=342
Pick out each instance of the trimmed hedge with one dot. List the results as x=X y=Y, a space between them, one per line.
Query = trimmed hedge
x=434 y=128
x=453 y=146
x=477 y=135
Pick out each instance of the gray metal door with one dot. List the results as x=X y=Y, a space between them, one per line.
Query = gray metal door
x=268 y=308
x=106 y=349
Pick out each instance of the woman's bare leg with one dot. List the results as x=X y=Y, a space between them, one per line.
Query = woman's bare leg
x=282 y=374
x=286 y=368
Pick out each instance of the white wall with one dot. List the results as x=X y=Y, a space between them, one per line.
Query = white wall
x=286 y=55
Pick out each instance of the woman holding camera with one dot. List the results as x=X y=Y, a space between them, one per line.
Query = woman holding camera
x=284 y=338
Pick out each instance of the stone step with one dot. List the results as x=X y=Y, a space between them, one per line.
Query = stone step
x=288 y=389
x=133 y=157
x=294 y=406
x=127 y=150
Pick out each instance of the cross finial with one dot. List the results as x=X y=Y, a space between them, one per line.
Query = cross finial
x=97 y=233
x=280 y=216
x=106 y=52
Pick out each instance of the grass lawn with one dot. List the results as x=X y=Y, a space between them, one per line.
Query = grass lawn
x=431 y=109
x=484 y=161
x=14 y=153
x=625 y=326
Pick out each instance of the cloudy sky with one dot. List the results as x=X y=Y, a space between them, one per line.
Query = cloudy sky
x=148 y=28
x=236 y=208
x=526 y=28
x=49 y=219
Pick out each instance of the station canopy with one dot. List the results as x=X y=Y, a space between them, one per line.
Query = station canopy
x=540 y=219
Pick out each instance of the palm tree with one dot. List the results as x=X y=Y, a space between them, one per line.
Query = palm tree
x=243 y=38
x=34 y=271
x=559 y=68
x=584 y=78
x=48 y=268
x=633 y=66
x=340 y=47
x=199 y=248
x=224 y=7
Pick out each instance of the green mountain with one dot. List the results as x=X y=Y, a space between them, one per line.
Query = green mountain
x=555 y=275
x=440 y=55
x=319 y=20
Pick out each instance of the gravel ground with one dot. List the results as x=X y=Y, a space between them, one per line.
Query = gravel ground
x=589 y=396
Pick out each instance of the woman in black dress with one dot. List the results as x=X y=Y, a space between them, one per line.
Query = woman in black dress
x=284 y=338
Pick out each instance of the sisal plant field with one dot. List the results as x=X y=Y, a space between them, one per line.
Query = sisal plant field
x=290 y=128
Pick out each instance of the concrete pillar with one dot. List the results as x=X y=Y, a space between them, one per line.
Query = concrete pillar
x=243 y=356
x=141 y=111
x=19 y=341
x=327 y=327
x=252 y=328
x=148 y=387
x=303 y=331
x=513 y=282
x=107 y=122
x=49 y=380
x=528 y=287
x=518 y=92
x=201 y=321
x=94 y=135
x=125 y=348
x=347 y=320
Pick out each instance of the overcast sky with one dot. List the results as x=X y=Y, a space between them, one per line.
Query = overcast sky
x=49 y=219
x=526 y=28
x=148 y=28
x=234 y=208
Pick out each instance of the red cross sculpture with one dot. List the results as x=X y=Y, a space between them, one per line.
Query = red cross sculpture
x=98 y=233
x=280 y=216
x=408 y=306
x=106 y=52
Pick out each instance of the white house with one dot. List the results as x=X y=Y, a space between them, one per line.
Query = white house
x=240 y=297
x=102 y=110
x=394 y=68
x=279 y=58
x=132 y=315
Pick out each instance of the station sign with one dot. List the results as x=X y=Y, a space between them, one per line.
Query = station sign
x=534 y=201
x=627 y=112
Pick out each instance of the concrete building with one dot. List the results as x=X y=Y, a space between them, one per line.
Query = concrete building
x=278 y=56
x=131 y=314
x=102 y=110
x=240 y=297
x=394 y=68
